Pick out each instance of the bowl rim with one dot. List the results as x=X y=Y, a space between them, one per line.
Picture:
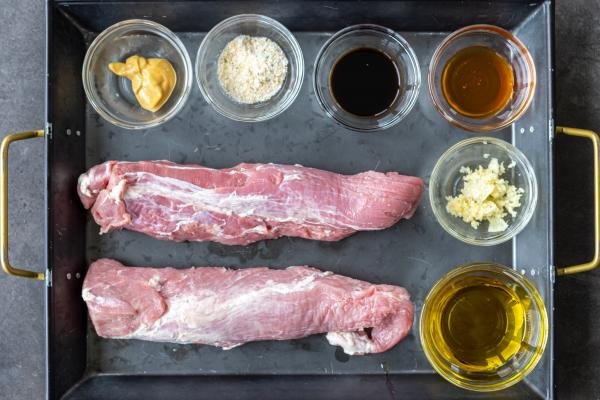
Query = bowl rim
x=527 y=210
x=143 y=25
x=507 y=36
x=516 y=277
x=297 y=54
x=415 y=66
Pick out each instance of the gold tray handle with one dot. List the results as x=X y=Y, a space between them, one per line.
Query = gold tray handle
x=11 y=137
x=593 y=263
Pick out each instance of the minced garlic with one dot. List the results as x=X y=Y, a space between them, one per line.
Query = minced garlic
x=485 y=196
x=252 y=69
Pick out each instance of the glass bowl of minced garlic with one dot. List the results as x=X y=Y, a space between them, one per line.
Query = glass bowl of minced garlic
x=483 y=191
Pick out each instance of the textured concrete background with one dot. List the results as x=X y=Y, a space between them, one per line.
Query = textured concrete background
x=22 y=107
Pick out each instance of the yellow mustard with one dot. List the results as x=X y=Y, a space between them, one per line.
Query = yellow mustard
x=152 y=79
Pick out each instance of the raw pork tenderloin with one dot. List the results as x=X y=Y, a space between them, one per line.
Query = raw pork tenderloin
x=227 y=308
x=246 y=203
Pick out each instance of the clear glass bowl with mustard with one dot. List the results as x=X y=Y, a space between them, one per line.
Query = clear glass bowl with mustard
x=481 y=78
x=484 y=326
x=483 y=191
x=137 y=74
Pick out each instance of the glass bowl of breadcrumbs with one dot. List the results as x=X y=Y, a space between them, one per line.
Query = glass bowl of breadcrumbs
x=249 y=68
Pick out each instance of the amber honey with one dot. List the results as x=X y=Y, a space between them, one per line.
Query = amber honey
x=477 y=82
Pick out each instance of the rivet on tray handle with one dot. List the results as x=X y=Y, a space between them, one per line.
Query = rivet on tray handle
x=574 y=269
x=11 y=137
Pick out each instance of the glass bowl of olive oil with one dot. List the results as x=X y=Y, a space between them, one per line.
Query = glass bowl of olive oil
x=484 y=326
x=481 y=78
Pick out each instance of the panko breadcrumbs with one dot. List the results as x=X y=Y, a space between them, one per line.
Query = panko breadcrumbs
x=252 y=69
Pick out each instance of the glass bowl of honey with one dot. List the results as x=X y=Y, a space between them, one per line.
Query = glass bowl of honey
x=484 y=326
x=367 y=77
x=481 y=78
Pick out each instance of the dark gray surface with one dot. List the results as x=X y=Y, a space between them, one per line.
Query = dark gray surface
x=22 y=328
x=577 y=104
x=21 y=97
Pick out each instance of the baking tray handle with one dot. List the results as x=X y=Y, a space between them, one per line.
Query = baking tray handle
x=593 y=263
x=11 y=137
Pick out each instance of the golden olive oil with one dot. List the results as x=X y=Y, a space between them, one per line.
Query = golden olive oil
x=481 y=325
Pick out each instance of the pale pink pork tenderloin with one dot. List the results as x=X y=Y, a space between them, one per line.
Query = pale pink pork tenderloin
x=246 y=203
x=227 y=308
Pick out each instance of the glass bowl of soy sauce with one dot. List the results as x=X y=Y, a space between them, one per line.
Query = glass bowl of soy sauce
x=367 y=77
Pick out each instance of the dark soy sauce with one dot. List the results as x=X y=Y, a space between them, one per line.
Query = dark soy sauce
x=364 y=82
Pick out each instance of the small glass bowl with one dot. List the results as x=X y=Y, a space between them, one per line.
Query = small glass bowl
x=535 y=327
x=503 y=43
x=207 y=64
x=111 y=95
x=378 y=38
x=447 y=180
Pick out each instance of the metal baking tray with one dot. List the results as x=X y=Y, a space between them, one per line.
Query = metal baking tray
x=413 y=253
